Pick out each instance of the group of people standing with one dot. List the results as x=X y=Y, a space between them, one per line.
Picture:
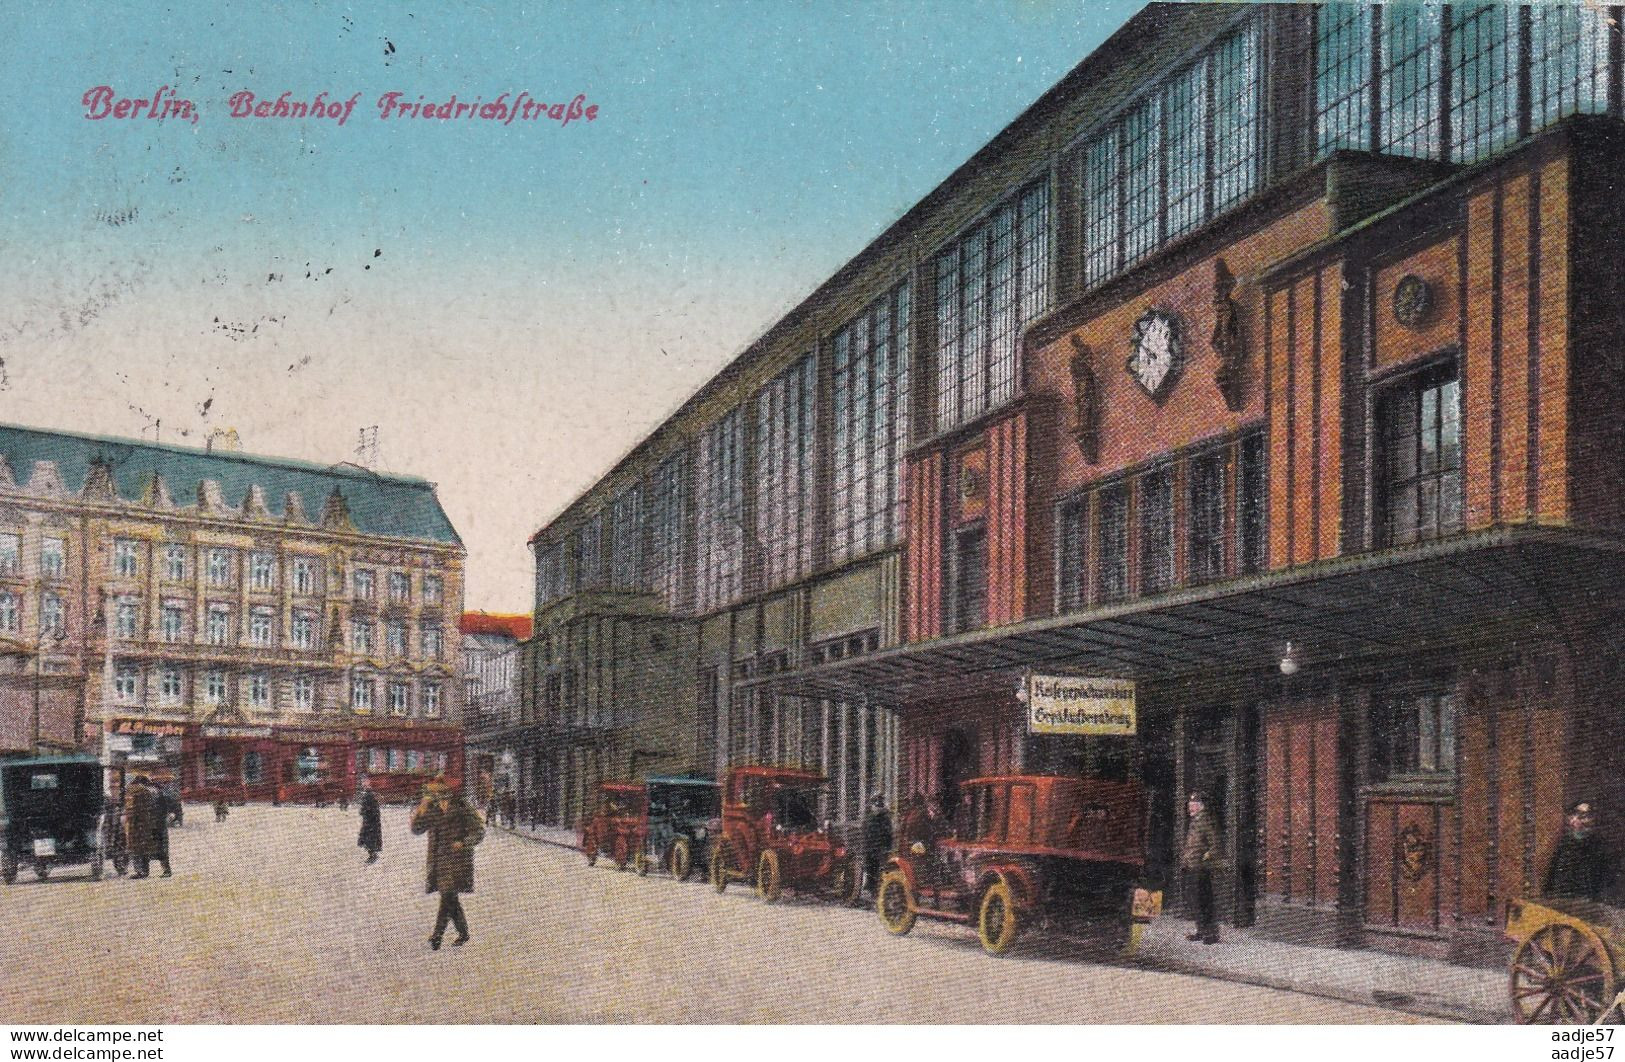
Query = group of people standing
x=147 y=813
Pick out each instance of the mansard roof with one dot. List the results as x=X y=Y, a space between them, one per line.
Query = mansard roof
x=375 y=504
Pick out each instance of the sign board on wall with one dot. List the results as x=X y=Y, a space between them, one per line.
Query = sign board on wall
x=1078 y=704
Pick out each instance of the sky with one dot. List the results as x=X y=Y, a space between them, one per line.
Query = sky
x=514 y=305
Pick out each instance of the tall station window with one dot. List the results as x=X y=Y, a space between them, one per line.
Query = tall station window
x=1111 y=555
x=1419 y=459
x=719 y=514
x=550 y=574
x=1251 y=500
x=786 y=441
x=665 y=567
x=626 y=540
x=590 y=554
x=1568 y=50
x=969 y=573
x=1205 y=539
x=1343 y=40
x=1186 y=151
x=1157 y=530
x=872 y=359
x=990 y=283
x=1483 y=79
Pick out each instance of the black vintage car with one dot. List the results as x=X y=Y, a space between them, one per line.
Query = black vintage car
x=52 y=815
x=682 y=811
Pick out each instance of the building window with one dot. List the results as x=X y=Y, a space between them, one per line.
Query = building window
x=970 y=578
x=400 y=588
x=262 y=627
x=304 y=693
x=361 y=636
x=434 y=642
x=363 y=584
x=872 y=364
x=10 y=613
x=1419 y=458
x=720 y=514
x=126 y=617
x=1410 y=49
x=1413 y=734
x=395 y=638
x=625 y=542
x=259 y=691
x=1156 y=504
x=1072 y=551
x=124 y=557
x=1343 y=37
x=175 y=563
x=1569 y=52
x=219 y=567
x=1111 y=557
x=361 y=694
x=217 y=628
x=666 y=562
x=53 y=557
x=1251 y=504
x=589 y=540
x=172 y=622
x=400 y=700
x=127 y=683
x=253 y=767
x=11 y=549
x=304 y=630
x=304 y=576
x=53 y=615
x=550 y=574
x=786 y=439
x=262 y=571
x=1483 y=79
x=171 y=688
x=434 y=591
x=431 y=700
x=214 y=688
x=990 y=284
x=1205 y=512
x=1184 y=153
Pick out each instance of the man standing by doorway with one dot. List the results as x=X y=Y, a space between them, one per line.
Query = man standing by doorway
x=1199 y=858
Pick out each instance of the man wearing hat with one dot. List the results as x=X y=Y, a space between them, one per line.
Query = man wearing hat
x=1200 y=856
x=1582 y=866
x=454 y=828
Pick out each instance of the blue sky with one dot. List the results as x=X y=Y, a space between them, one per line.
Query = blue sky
x=514 y=306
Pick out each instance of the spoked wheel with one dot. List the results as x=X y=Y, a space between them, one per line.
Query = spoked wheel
x=589 y=846
x=894 y=903
x=846 y=883
x=996 y=919
x=1561 y=975
x=769 y=885
x=680 y=859
x=719 y=866
x=641 y=864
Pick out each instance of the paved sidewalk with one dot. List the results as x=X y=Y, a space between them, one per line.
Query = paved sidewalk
x=1415 y=985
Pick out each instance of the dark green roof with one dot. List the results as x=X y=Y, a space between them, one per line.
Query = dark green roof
x=391 y=506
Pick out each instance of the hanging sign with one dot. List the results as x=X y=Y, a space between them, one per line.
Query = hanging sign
x=1077 y=704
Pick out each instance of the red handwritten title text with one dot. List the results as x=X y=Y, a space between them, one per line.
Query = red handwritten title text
x=505 y=109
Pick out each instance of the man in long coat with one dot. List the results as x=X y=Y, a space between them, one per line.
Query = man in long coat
x=372 y=827
x=141 y=812
x=454 y=828
x=1582 y=866
x=1201 y=855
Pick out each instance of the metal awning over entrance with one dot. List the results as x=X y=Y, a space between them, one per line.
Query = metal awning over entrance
x=1523 y=582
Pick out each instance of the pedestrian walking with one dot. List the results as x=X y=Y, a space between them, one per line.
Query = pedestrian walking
x=1201 y=855
x=220 y=809
x=877 y=841
x=454 y=828
x=372 y=827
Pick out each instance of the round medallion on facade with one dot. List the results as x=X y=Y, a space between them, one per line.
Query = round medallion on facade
x=1158 y=356
x=1413 y=301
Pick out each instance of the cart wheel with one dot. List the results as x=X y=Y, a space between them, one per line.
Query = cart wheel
x=589 y=845
x=846 y=882
x=41 y=870
x=769 y=886
x=1561 y=975
x=996 y=919
x=680 y=859
x=896 y=906
x=719 y=866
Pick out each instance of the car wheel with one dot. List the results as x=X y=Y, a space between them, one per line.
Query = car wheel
x=896 y=906
x=719 y=867
x=680 y=859
x=845 y=883
x=996 y=919
x=768 y=884
x=589 y=846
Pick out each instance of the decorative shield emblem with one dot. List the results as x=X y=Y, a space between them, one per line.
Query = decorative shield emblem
x=1415 y=854
x=1158 y=357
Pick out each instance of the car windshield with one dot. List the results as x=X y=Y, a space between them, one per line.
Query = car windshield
x=796 y=809
x=684 y=802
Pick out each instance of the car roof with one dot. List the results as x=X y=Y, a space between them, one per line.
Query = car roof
x=788 y=774
x=52 y=761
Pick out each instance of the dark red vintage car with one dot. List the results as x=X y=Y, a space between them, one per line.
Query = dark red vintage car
x=770 y=835
x=1063 y=854
x=617 y=824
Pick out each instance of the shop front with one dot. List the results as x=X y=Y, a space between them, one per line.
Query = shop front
x=399 y=761
x=230 y=763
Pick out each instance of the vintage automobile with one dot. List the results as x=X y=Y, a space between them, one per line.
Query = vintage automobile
x=769 y=834
x=677 y=828
x=616 y=825
x=51 y=815
x=1062 y=854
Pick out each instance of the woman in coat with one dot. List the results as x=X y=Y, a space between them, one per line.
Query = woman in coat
x=454 y=828
x=372 y=827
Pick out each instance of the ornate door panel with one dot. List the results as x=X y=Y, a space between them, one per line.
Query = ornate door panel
x=1406 y=852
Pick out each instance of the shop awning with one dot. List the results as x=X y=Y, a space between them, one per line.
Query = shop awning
x=1525 y=583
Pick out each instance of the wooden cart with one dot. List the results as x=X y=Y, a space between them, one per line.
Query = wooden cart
x=1565 y=969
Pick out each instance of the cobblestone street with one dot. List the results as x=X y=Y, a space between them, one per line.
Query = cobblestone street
x=272 y=917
